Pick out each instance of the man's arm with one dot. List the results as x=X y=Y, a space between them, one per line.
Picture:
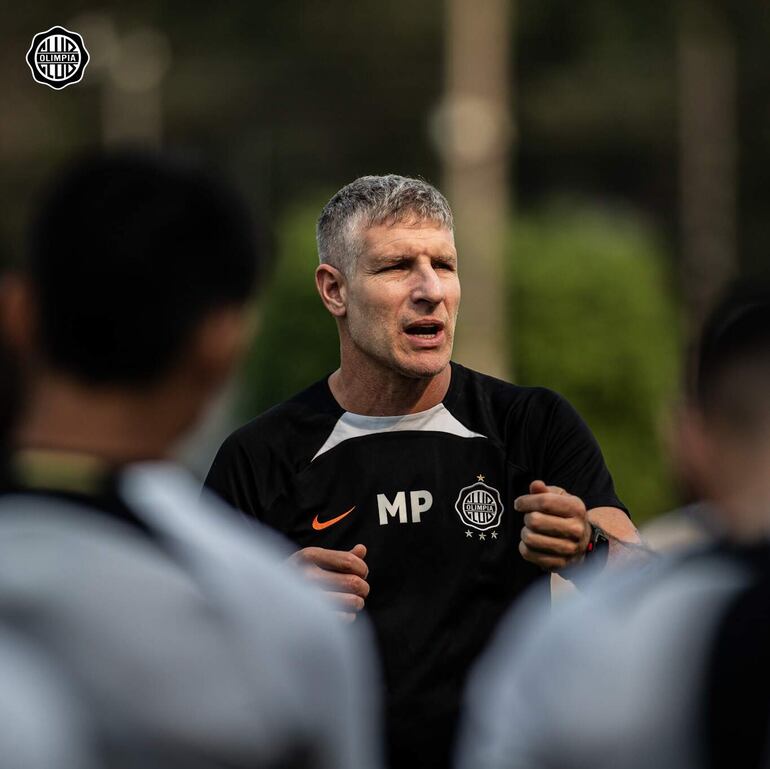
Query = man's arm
x=557 y=527
x=616 y=523
x=557 y=523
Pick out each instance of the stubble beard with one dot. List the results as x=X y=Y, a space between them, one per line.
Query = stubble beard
x=415 y=365
x=384 y=353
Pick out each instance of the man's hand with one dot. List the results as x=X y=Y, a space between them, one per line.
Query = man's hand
x=341 y=573
x=556 y=528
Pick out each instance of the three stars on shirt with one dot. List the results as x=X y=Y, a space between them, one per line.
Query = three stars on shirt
x=482 y=535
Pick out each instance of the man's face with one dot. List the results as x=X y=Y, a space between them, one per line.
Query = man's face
x=403 y=297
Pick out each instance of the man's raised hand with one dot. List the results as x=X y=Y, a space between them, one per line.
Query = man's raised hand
x=341 y=573
x=556 y=529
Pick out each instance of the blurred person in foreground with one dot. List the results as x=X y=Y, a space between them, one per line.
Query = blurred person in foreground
x=185 y=637
x=409 y=482
x=41 y=721
x=671 y=668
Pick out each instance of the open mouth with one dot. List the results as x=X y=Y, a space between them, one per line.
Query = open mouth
x=425 y=329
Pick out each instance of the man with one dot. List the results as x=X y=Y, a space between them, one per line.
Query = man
x=410 y=483
x=183 y=635
x=670 y=669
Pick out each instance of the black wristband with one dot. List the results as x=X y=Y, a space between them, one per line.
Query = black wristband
x=594 y=560
x=598 y=548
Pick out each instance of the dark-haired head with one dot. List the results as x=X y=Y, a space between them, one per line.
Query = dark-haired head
x=723 y=447
x=129 y=252
x=732 y=377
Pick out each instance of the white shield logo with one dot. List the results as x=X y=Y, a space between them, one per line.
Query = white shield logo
x=480 y=507
x=57 y=57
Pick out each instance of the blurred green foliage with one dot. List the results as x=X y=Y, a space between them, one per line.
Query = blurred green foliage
x=593 y=318
x=296 y=341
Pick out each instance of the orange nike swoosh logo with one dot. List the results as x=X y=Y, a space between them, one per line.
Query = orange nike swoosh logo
x=319 y=526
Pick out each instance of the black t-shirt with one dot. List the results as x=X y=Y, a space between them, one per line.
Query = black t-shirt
x=431 y=496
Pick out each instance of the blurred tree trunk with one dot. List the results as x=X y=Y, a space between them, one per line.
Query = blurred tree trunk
x=474 y=140
x=708 y=149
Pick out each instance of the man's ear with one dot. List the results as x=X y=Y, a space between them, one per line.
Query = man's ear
x=332 y=287
x=18 y=313
x=220 y=341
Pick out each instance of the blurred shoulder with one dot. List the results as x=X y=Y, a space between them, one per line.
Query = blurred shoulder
x=287 y=427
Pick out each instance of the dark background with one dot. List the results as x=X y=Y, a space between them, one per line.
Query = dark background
x=294 y=99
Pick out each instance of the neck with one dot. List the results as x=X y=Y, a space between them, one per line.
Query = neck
x=384 y=392
x=115 y=424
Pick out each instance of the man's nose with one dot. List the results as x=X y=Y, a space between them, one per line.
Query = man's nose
x=428 y=286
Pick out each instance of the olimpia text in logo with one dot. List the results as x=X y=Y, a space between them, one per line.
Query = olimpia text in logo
x=479 y=506
x=57 y=58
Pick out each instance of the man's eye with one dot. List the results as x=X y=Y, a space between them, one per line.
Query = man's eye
x=397 y=266
x=444 y=266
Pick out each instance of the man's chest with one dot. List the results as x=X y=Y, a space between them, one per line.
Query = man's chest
x=411 y=498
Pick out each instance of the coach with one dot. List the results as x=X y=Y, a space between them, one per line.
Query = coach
x=431 y=492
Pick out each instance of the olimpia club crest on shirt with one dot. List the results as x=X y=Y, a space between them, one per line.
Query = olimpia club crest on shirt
x=57 y=58
x=479 y=506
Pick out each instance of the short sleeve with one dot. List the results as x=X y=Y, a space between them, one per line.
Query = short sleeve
x=571 y=458
x=233 y=476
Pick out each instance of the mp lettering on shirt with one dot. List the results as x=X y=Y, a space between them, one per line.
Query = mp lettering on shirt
x=419 y=502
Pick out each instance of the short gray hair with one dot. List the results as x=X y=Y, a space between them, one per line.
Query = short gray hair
x=372 y=200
